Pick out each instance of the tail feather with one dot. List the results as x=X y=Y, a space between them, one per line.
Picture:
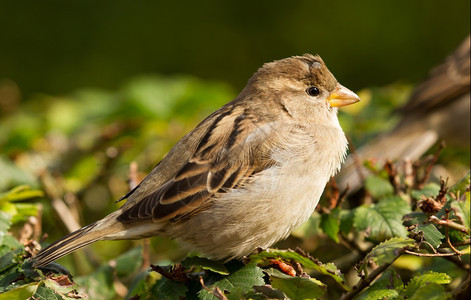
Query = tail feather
x=68 y=244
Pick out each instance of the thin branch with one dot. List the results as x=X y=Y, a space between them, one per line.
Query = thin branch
x=334 y=194
x=462 y=264
x=133 y=175
x=352 y=244
x=430 y=245
x=448 y=223
x=393 y=176
x=68 y=218
x=366 y=281
x=463 y=243
x=431 y=254
x=62 y=210
x=432 y=163
x=119 y=287
x=447 y=214
x=145 y=254
x=216 y=291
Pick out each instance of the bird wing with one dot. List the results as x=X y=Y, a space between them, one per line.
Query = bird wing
x=230 y=150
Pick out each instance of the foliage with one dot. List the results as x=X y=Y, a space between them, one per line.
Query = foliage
x=398 y=238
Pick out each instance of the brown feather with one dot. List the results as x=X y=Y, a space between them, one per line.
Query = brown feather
x=221 y=161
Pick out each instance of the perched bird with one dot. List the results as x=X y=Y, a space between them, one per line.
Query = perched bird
x=438 y=109
x=245 y=177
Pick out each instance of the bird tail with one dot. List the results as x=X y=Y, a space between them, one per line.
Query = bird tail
x=100 y=230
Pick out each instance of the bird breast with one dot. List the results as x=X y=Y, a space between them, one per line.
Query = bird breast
x=273 y=202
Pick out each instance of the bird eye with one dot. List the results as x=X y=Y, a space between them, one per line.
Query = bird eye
x=313 y=91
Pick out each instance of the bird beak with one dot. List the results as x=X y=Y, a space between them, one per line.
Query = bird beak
x=342 y=96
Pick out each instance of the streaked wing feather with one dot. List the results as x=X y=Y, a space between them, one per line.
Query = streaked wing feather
x=222 y=160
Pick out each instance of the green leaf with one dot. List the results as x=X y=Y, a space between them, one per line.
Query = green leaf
x=142 y=284
x=19 y=193
x=9 y=259
x=424 y=280
x=5 y=223
x=169 y=289
x=346 y=220
x=129 y=262
x=24 y=211
x=462 y=209
x=415 y=218
x=385 y=253
x=429 y=190
x=99 y=284
x=384 y=219
x=8 y=208
x=60 y=284
x=205 y=264
x=8 y=243
x=22 y=292
x=462 y=184
x=388 y=286
x=328 y=269
x=11 y=174
x=237 y=284
x=430 y=292
x=431 y=234
x=7 y=277
x=295 y=287
x=330 y=224
x=378 y=186
x=45 y=293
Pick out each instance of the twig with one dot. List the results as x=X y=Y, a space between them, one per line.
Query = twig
x=343 y=194
x=176 y=272
x=430 y=245
x=68 y=218
x=216 y=292
x=145 y=253
x=463 y=243
x=334 y=194
x=38 y=226
x=441 y=197
x=462 y=264
x=447 y=214
x=162 y=271
x=428 y=170
x=133 y=175
x=420 y=182
x=448 y=223
x=366 y=281
x=352 y=245
x=119 y=287
x=431 y=254
x=408 y=173
x=61 y=209
x=393 y=176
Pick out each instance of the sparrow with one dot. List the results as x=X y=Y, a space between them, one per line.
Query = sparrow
x=245 y=177
x=438 y=109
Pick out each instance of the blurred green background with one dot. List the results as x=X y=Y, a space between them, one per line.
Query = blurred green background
x=86 y=87
x=55 y=47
